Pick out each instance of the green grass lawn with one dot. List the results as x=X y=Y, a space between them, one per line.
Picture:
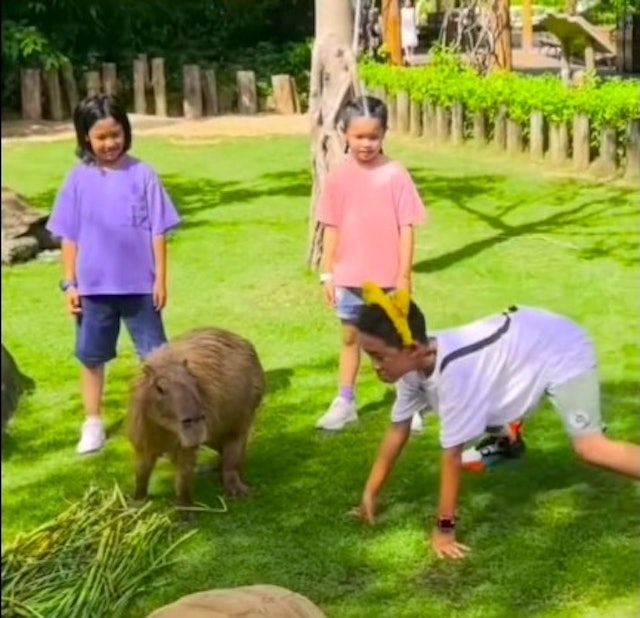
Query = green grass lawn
x=549 y=536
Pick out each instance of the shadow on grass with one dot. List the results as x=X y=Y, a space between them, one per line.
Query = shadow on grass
x=575 y=210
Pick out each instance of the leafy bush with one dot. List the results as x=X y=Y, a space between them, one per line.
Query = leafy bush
x=611 y=102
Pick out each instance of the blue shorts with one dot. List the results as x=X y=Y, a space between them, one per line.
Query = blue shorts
x=98 y=326
x=348 y=303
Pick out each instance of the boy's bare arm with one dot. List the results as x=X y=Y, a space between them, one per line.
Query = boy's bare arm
x=69 y=253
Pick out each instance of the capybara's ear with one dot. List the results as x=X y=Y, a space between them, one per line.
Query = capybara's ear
x=148 y=371
x=185 y=362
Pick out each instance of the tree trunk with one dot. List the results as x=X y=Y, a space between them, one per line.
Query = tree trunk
x=390 y=27
x=333 y=80
x=500 y=28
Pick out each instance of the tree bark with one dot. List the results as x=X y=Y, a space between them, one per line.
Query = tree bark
x=536 y=135
x=391 y=29
x=581 y=145
x=333 y=80
x=501 y=35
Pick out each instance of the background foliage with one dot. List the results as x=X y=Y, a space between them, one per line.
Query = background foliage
x=611 y=102
x=267 y=36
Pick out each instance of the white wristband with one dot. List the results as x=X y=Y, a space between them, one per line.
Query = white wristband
x=324 y=277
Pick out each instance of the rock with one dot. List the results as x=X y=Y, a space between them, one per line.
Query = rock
x=14 y=384
x=259 y=601
x=23 y=229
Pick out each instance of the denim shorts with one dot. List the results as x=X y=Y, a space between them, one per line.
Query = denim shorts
x=349 y=301
x=98 y=326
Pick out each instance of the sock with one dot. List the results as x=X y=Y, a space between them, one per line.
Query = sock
x=346 y=392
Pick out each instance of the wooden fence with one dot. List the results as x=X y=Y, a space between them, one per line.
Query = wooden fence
x=559 y=143
x=53 y=94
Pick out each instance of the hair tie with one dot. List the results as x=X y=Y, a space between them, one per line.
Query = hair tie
x=395 y=305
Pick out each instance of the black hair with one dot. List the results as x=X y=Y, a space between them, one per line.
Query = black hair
x=364 y=107
x=372 y=320
x=88 y=112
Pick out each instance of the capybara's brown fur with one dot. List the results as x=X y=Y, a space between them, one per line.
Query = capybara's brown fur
x=202 y=387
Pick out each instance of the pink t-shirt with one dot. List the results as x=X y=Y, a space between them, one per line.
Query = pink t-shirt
x=369 y=206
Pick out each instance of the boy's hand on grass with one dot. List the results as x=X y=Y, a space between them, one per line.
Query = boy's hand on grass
x=444 y=544
x=72 y=299
x=367 y=510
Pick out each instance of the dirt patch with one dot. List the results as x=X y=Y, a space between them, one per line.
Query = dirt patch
x=205 y=129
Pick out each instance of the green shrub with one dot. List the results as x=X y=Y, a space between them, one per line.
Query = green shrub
x=611 y=102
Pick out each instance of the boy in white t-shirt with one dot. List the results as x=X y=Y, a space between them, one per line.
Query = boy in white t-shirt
x=489 y=373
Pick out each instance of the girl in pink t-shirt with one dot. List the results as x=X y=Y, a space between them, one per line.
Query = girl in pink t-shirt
x=369 y=206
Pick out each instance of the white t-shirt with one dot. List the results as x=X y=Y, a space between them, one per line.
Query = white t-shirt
x=493 y=371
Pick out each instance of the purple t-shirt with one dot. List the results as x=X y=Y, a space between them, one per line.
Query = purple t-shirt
x=113 y=215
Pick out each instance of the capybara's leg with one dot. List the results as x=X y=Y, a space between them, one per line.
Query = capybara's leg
x=232 y=460
x=144 y=467
x=185 y=462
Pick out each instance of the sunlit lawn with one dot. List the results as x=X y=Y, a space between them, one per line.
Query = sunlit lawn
x=550 y=537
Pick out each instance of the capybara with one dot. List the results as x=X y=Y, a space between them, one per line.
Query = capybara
x=202 y=387
x=14 y=384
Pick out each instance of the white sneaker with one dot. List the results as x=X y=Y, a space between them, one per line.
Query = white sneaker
x=417 y=424
x=340 y=413
x=93 y=436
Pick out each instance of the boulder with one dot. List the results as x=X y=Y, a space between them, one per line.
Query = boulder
x=259 y=601
x=23 y=229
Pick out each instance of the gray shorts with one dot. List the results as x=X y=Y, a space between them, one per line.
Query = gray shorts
x=578 y=403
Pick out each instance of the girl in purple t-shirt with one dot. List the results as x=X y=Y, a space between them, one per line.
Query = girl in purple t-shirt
x=368 y=207
x=112 y=214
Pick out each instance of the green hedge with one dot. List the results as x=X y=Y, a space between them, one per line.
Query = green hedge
x=612 y=102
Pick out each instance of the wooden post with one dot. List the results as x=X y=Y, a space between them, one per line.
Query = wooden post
x=632 y=139
x=415 y=119
x=380 y=92
x=92 y=81
x=527 y=25
x=392 y=108
x=210 y=92
x=536 y=135
x=247 y=94
x=443 y=123
x=110 y=78
x=479 y=128
x=191 y=92
x=70 y=87
x=514 y=137
x=607 y=161
x=296 y=98
x=581 y=145
x=391 y=30
x=558 y=142
x=31 y=94
x=54 y=94
x=457 y=124
x=159 y=86
x=283 y=94
x=403 y=111
x=500 y=129
x=144 y=61
x=589 y=58
x=429 y=121
x=140 y=86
